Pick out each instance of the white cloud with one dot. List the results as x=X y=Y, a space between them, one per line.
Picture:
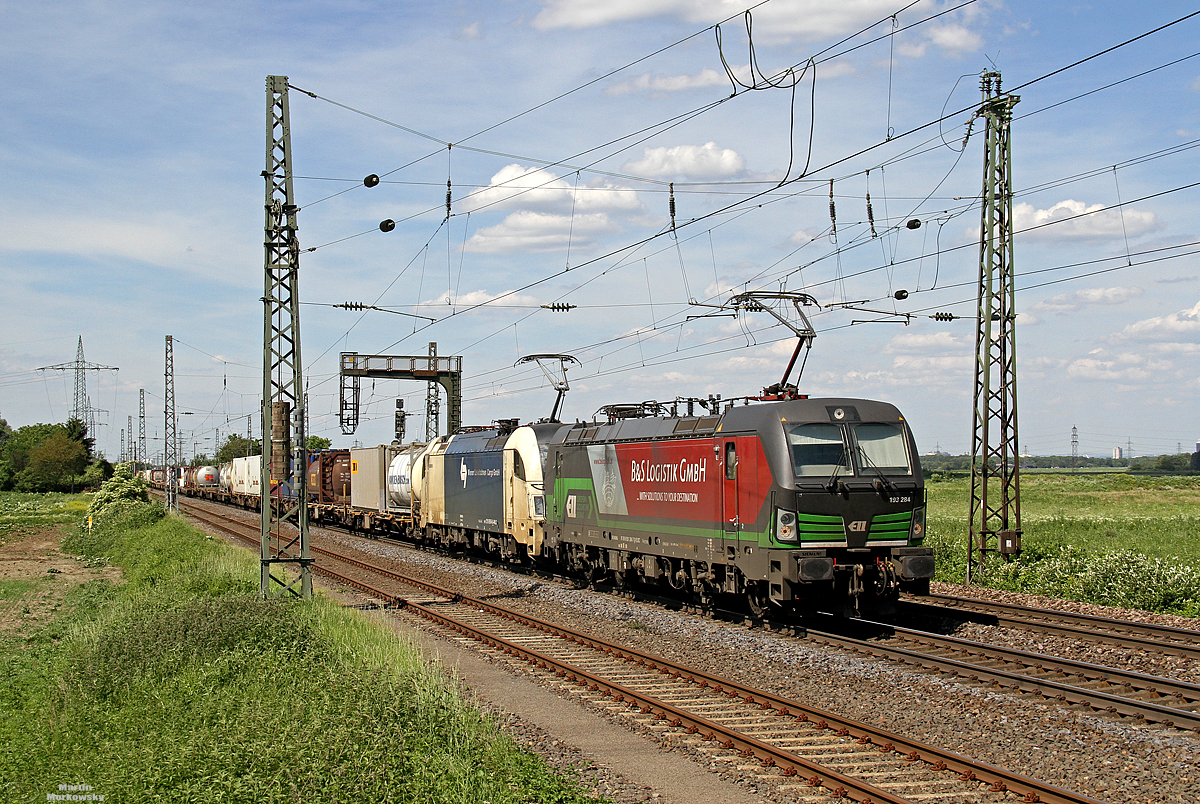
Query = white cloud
x=706 y=161
x=471 y=31
x=910 y=342
x=1184 y=322
x=955 y=38
x=669 y=83
x=538 y=231
x=517 y=186
x=1098 y=222
x=808 y=19
x=1088 y=368
x=935 y=363
x=1124 y=367
x=1066 y=302
x=708 y=77
x=1176 y=348
x=478 y=297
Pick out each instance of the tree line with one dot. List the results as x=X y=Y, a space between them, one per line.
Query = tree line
x=50 y=457
x=237 y=446
x=1182 y=462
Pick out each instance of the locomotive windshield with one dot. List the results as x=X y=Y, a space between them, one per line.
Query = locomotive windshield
x=882 y=447
x=819 y=450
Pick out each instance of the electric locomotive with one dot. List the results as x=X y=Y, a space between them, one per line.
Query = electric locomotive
x=796 y=503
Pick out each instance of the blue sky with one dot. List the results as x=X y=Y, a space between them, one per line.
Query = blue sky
x=133 y=141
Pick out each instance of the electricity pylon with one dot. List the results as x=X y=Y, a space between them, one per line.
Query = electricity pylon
x=995 y=467
x=141 y=448
x=284 y=532
x=81 y=409
x=170 y=434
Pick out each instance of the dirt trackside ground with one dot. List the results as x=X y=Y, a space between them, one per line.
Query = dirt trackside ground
x=35 y=576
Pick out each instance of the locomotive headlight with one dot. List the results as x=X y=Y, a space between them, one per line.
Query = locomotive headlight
x=918 y=524
x=785 y=526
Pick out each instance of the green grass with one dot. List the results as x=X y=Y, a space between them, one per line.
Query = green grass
x=181 y=685
x=17 y=588
x=1106 y=538
x=24 y=511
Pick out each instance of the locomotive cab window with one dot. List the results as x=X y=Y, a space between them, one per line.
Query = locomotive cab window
x=730 y=460
x=882 y=447
x=818 y=450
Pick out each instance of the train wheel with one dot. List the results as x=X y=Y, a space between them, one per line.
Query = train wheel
x=757 y=600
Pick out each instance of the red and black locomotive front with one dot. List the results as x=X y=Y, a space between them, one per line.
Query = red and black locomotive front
x=850 y=500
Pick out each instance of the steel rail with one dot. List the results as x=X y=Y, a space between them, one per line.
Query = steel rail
x=1048 y=688
x=999 y=779
x=1147 y=636
x=1042 y=661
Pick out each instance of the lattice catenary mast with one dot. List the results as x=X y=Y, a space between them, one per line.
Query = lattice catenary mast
x=141 y=448
x=284 y=532
x=995 y=470
x=170 y=434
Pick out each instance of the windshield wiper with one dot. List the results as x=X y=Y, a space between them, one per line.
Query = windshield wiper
x=839 y=486
x=881 y=482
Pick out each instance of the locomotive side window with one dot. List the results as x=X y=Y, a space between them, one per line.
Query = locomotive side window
x=883 y=447
x=818 y=450
x=730 y=460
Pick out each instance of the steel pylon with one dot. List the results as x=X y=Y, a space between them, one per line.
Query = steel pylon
x=284 y=532
x=81 y=409
x=141 y=446
x=170 y=434
x=995 y=468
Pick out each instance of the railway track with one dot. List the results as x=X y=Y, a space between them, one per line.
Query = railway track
x=1125 y=633
x=1110 y=690
x=1101 y=689
x=813 y=753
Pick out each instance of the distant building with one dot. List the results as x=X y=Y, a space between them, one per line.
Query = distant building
x=1118 y=453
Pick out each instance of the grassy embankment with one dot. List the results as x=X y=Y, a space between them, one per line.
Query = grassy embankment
x=180 y=685
x=1115 y=539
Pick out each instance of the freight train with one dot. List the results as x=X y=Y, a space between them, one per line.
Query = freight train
x=792 y=504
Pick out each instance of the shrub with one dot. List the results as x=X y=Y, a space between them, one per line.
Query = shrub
x=121 y=493
x=1121 y=578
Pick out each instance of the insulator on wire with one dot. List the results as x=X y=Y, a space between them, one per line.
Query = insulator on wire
x=447 y=199
x=944 y=316
x=559 y=307
x=832 y=215
x=672 y=205
x=387 y=225
x=870 y=212
x=371 y=181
